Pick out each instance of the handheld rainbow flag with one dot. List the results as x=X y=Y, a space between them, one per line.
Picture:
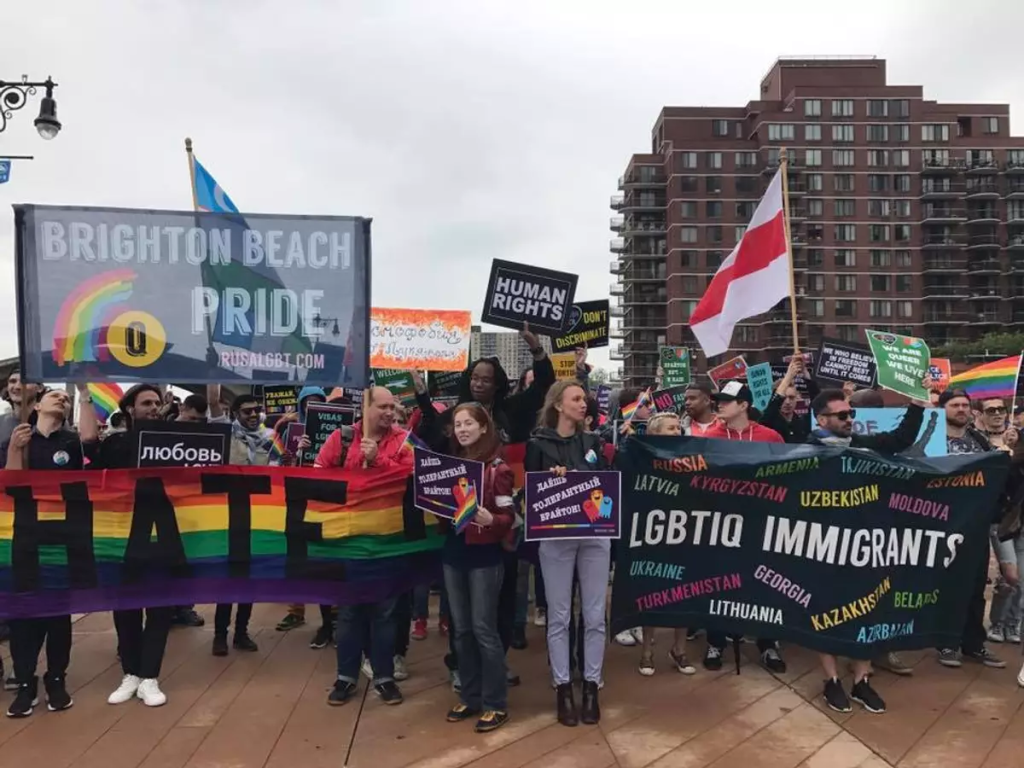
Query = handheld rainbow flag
x=467 y=510
x=629 y=411
x=411 y=441
x=105 y=397
x=277 y=446
x=995 y=379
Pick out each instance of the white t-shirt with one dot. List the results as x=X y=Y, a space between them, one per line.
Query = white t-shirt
x=696 y=429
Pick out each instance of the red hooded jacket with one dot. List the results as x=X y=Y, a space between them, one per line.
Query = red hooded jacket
x=499 y=482
x=754 y=433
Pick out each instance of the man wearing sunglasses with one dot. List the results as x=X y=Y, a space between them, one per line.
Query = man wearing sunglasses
x=833 y=417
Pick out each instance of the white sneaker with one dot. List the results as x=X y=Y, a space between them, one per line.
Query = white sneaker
x=401 y=671
x=540 y=617
x=126 y=691
x=625 y=638
x=150 y=693
x=995 y=634
x=638 y=634
x=367 y=669
x=1020 y=677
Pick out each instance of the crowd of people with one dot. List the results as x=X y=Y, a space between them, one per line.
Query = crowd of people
x=487 y=570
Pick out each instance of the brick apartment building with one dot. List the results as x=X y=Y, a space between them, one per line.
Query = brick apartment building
x=906 y=214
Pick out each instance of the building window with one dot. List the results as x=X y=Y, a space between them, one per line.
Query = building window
x=745 y=210
x=688 y=234
x=816 y=283
x=719 y=127
x=815 y=308
x=747 y=186
x=904 y=283
x=1014 y=210
x=816 y=258
x=878 y=133
x=812 y=107
x=848 y=332
x=816 y=207
x=773 y=156
x=935 y=132
x=842 y=158
x=745 y=334
x=687 y=159
x=1015 y=157
x=688 y=209
x=881 y=259
x=846 y=257
x=714 y=259
x=842 y=132
x=689 y=183
x=815 y=182
x=781 y=132
x=903 y=259
x=845 y=207
x=881 y=283
x=844 y=182
x=689 y=284
x=846 y=233
x=878 y=108
x=714 y=209
x=812 y=157
x=900 y=108
x=713 y=185
x=714 y=159
x=842 y=107
x=990 y=125
x=935 y=158
x=904 y=309
x=746 y=159
x=688 y=259
x=901 y=132
x=846 y=307
x=878 y=233
x=878 y=157
x=714 y=234
x=688 y=307
x=846 y=283
x=878 y=183
x=902 y=208
x=812 y=132
x=738 y=232
x=880 y=308
x=901 y=232
x=878 y=207
x=901 y=158
x=901 y=182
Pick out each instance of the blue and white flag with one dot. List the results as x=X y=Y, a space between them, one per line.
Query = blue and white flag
x=209 y=195
x=5 y=171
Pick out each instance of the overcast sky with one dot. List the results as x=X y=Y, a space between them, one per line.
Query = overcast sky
x=467 y=130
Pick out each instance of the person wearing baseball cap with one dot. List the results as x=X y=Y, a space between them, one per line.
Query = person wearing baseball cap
x=734 y=423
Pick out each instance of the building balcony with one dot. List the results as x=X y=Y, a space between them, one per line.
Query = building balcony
x=938 y=167
x=636 y=178
x=944 y=264
x=633 y=228
x=634 y=253
x=643 y=203
x=616 y=267
x=943 y=290
x=617 y=201
x=942 y=215
x=645 y=275
x=983 y=216
x=615 y=353
x=1014 y=188
x=935 y=189
x=984 y=318
x=1015 y=243
x=986 y=290
x=617 y=245
x=639 y=299
x=976 y=189
x=987 y=240
x=943 y=241
x=797 y=213
x=615 y=223
x=797 y=188
x=632 y=322
x=617 y=310
x=617 y=289
x=1011 y=168
x=945 y=318
x=979 y=166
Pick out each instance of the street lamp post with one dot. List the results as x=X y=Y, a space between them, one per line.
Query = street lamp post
x=14 y=96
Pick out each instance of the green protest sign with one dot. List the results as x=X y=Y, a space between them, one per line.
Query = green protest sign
x=398 y=382
x=675 y=366
x=901 y=362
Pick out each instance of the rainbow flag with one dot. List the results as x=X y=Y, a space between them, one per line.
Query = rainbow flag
x=411 y=441
x=630 y=410
x=466 y=511
x=995 y=379
x=105 y=397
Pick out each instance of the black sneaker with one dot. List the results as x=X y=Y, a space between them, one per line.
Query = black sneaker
x=389 y=693
x=713 y=659
x=773 y=661
x=460 y=713
x=491 y=720
x=220 y=645
x=519 y=642
x=322 y=638
x=513 y=679
x=986 y=657
x=835 y=696
x=341 y=693
x=187 y=617
x=57 y=697
x=25 y=700
x=867 y=697
x=243 y=642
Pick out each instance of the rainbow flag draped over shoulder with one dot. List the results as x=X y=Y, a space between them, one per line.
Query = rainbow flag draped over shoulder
x=132 y=538
x=105 y=397
x=995 y=379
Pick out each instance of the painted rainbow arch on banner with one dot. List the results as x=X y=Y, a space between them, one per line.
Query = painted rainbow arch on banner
x=79 y=333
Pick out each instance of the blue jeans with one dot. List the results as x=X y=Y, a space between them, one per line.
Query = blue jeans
x=523 y=591
x=420 y=601
x=355 y=623
x=473 y=599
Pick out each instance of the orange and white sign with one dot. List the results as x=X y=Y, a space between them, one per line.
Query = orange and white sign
x=564 y=364
x=419 y=339
x=940 y=370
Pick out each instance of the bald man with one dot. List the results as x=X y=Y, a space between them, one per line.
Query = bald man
x=375 y=442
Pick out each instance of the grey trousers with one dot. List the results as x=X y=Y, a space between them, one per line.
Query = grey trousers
x=591 y=558
x=1005 y=610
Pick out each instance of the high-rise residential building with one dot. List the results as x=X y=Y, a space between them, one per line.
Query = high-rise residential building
x=507 y=346
x=906 y=214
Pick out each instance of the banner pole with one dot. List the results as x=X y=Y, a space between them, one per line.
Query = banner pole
x=783 y=169
x=191 y=173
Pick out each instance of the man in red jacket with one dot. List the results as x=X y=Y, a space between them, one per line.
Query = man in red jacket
x=734 y=400
x=376 y=444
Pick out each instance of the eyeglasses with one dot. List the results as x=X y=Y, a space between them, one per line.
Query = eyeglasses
x=248 y=411
x=995 y=409
x=842 y=415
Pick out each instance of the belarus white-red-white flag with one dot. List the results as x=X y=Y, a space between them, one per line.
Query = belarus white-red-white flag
x=752 y=279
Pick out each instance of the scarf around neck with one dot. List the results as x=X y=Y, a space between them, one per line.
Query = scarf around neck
x=827 y=438
x=254 y=440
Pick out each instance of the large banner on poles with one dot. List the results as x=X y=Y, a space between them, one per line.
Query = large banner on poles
x=839 y=551
x=133 y=295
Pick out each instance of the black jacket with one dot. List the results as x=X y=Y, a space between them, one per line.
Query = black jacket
x=896 y=441
x=548 y=449
x=797 y=429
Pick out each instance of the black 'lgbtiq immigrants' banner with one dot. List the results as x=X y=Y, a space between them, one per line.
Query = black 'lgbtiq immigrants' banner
x=839 y=551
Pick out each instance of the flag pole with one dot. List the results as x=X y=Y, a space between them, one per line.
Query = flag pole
x=783 y=169
x=192 y=173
